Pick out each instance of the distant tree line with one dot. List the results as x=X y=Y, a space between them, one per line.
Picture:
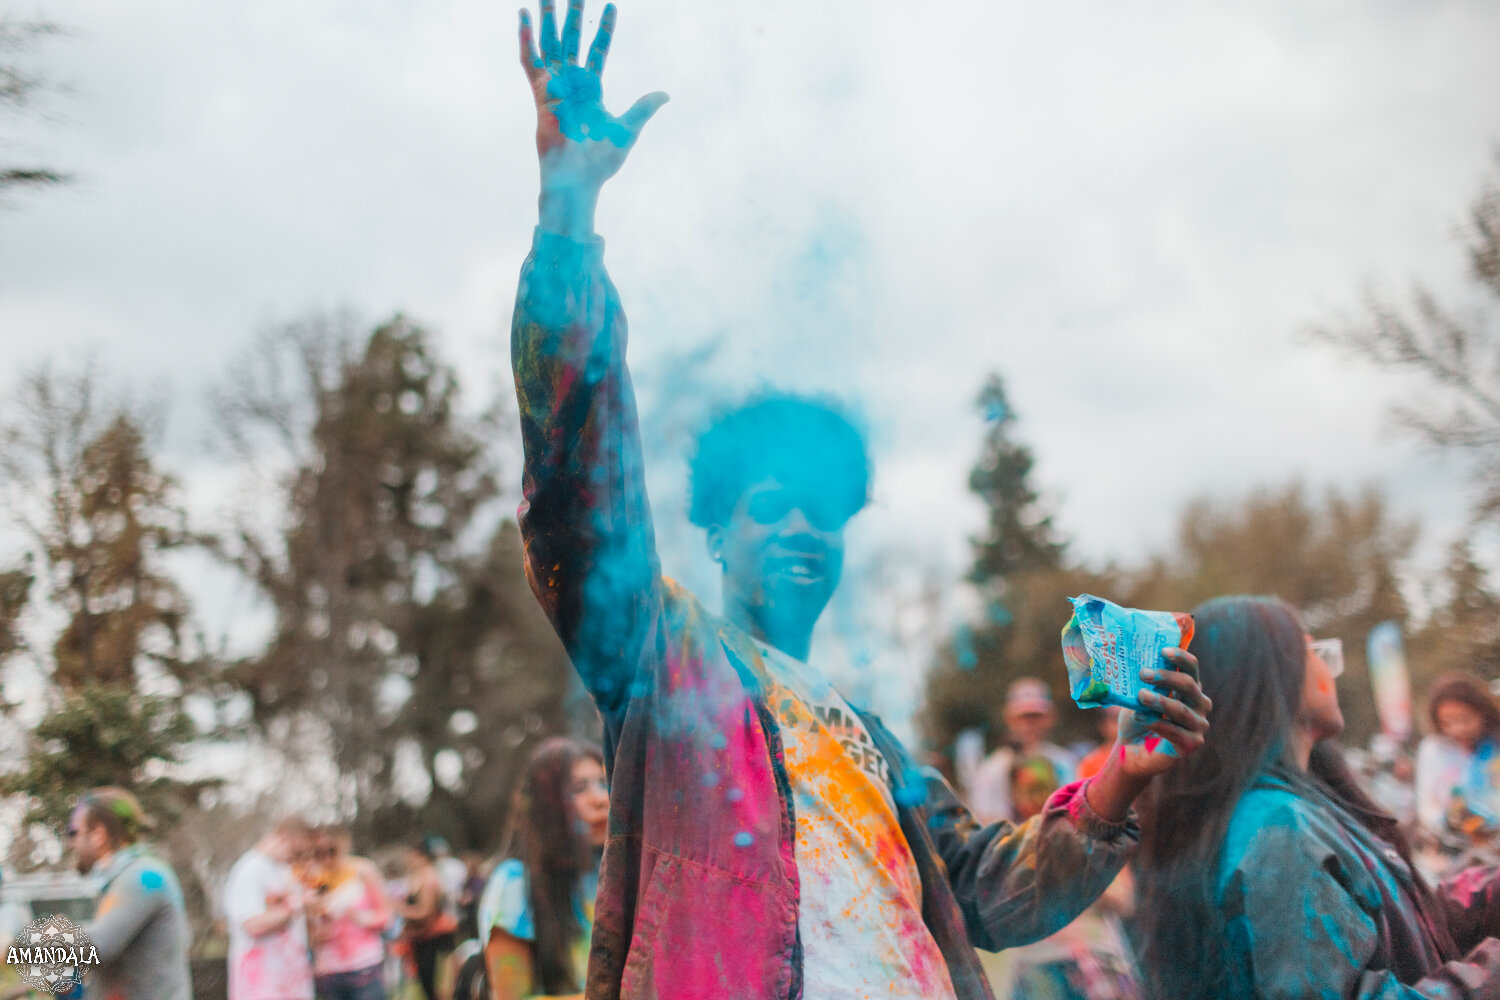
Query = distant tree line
x=1337 y=554
x=405 y=643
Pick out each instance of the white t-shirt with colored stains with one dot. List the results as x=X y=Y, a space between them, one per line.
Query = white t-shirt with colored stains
x=860 y=912
x=274 y=966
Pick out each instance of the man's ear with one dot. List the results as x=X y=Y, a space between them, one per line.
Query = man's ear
x=715 y=540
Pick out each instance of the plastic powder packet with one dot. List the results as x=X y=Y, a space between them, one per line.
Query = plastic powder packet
x=1105 y=647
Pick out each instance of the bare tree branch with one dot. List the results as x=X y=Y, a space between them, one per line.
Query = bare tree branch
x=21 y=90
x=1455 y=361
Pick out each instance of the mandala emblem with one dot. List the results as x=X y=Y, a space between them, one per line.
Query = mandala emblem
x=52 y=954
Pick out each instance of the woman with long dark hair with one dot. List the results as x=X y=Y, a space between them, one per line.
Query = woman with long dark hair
x=1265 y=871
x=537 y=911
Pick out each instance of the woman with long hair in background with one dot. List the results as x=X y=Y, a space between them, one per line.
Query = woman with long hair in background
x=1266 y=871
x=537 y=910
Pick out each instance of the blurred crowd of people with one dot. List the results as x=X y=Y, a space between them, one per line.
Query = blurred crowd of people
x=307 y=919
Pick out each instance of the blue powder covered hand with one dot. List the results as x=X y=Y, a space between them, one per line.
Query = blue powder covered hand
x=1106 y=646
x=580 y=144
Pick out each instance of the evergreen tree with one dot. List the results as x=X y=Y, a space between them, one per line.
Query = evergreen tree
x=1020 y=534
x=81 y=480
x=1463 y=631
x=22 y=85
x=119 y=516
x=104 y=734
x=1023 y=581
x=390 y=633
x=15 y=590
x=1337 y=559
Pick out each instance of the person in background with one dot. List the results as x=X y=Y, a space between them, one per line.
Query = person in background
x=1029 y=717
x=1458 y=766
x=1089 y=958
x=470 y=981
x=347 y=916
x=537 y=910
x=1032 y=782
x=428 y=925
x=468 y=900
x=1265 y=870
x=398 y=964
x=1109 y=728
x=140 y=928
x=1390 y=773
x=451 y=873
x=265 y=912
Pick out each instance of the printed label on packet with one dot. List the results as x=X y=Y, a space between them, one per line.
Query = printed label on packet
x=1105 y=647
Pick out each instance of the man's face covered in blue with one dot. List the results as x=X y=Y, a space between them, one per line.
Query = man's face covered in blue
x=774 y=482
x=783 y=553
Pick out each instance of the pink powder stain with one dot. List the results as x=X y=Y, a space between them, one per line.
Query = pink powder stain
x=1151 y=742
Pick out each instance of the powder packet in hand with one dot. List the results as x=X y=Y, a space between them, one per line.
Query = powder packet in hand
x=1105 y=646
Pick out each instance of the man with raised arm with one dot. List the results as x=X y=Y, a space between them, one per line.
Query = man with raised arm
x=766 y=839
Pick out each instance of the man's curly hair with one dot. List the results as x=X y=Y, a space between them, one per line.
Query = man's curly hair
x=811 y=446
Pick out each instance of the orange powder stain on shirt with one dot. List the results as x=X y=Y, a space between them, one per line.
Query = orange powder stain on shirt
x=861 y=910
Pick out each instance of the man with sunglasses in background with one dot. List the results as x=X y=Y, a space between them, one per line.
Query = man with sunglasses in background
x=140 y=928
x=766 y=838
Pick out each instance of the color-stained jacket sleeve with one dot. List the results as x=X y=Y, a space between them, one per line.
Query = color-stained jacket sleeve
x=1471 y=900
x=1305 y=928
x=1019 y=883
x=585 y=521
x=130 y=903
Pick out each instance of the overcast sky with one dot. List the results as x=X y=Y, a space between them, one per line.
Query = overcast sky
x=1131 y=216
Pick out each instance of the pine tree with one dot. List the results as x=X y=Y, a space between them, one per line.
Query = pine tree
x=105 y=734
x=1336 y=558
x=1463 y=631
x=1023 y=580
x=1020 y=534
x=15 y=591
x=122 y=607
x=83 y=483
x=391 y=635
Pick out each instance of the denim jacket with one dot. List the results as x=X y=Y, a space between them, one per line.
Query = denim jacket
x=1317 y=905
x=698 y=891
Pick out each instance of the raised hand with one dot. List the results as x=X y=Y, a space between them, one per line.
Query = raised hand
x=1156 y=740
x=1149 y=744
x=580 y=144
